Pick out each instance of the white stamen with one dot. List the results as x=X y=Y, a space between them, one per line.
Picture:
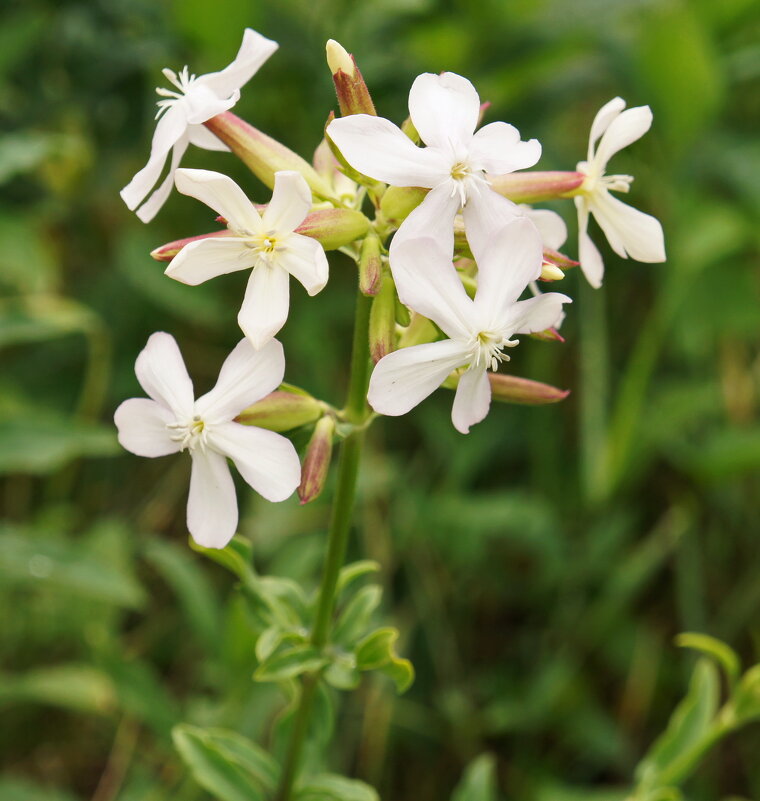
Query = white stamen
x=486 y=348
x=190 y=435
x=183 y=82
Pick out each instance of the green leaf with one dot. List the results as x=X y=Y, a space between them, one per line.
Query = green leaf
x=82 y=688
x=725 y=656
x=22 y=790
x=479 y=781
x=291 y=662
x=235 y=557
x=329 y=787
x=352 y=572
x=342 y=673
x=36 y=318
x=746 y=700
x=228 y=765
x=354 y=619
x=377 y=652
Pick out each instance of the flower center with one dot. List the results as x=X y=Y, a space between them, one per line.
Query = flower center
x=183 y=82
x=465 y=177
x=486 y=348
x=596 y=180
x=265 y=246
x=192 y=434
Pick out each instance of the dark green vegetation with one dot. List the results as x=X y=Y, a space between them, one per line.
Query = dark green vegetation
x=538 y=569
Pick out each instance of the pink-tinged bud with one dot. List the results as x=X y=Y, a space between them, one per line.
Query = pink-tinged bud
x=316 y=462
x=263 y=155
x=513 y=389
x=370 y=265
x=534 y=187
x=482 y=111
x=549 y=335
x=558 y=259
x=168 y=251
x=382 y=319
x=399 y=202
x=285 y=408
x=353 y=95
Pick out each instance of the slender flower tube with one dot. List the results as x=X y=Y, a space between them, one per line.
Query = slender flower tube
x=478 y=330
x=630 y=232
x=181 y=114
x=265 y=242
x=170 y=420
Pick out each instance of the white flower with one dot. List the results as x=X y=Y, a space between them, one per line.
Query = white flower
x=264 y=242
x=444 y=109
x=172 y=421
x=181 y=115
x=478 y=330
x=549 y=224
x=629 y=232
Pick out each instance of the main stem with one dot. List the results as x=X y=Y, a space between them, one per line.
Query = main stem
x=340 y=524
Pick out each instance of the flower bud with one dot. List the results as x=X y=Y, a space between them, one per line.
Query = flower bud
x=168 y=251
x=353 y=95
x=513 y=389
x=370 y=265
x=263 y=155
x=400 y=201
x=549 y=335
x=382 y=319
x=534 y=187
x=285 y=408
x=550 y=272
x=558 y=259
x=316 y=462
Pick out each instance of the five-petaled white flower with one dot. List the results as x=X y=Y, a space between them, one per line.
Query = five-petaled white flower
x=478 y=330
x=265 y=242
x=444 y=109
x=181 y=115
x=630 y=232
x=172 y=421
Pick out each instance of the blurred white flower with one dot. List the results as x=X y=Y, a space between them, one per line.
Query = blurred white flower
x=171 y=420
x=181 y=115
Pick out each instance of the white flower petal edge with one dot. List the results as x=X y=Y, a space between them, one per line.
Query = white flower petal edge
x=173 y=422
x=183 y=110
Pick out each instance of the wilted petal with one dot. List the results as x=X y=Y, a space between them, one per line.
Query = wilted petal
x=142 y=427
x=254 y=51
x=589 y=257
x=221 y=194
x=629 y=231
x=212 y=513
x=536 y=314
x=497 y=147
x=602 y=121
x=206 y=258
x=153 y=204
x=267 y=461
x=265 y=307
x=444 y=109
x=247 y=375
x=472 y=399
x=406 y=377
x=163 y=375
x=200 y=136
x=290 y=203
x=627 y=127
x=305 y=259
x=550 y=225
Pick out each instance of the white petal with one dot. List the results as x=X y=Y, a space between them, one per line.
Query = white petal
x=536 y=314
x=267 y=461
x=265 y=307
x=200 y=136
x=290 y=203
x=153 y=204
x=629 y=231
x=472 y=399
x=627 y=127
x=444 y=109
x=485 y=214
x=427 y=282
x=505 y=268
x=247 y=375
x=379 y=149
x=254 y=51
x=406 y=377
x=142 y=427
x=163 y=375
x=588 y=255
x=206 y=258
x=549 y=224
x=202 y=103
x=498 y=149
x=212 y=513
x=433 y=218
x=221 y=194
x=305 y=259
x=602 y=121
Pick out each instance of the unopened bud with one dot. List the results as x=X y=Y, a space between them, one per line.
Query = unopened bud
x=559 y=259
x=353 y=95
x=534 y=187
x=168 y=251
x=316 y=462
x=370 y=265
x=513 y=389
x=548 y=335
x=399 y=202
x=550 y=272
x=334 y=228
x=382 y=319
x=285 y=408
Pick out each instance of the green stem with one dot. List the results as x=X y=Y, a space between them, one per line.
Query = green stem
x=340 y=525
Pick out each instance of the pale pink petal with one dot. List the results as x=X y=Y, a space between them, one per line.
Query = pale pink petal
x=549 y=224
x=142 y=427
x=588 y=255
x=627 y=127
x=254 y=51
x=379 y=149
x=267 y=461
x=406 y=377
x=265 y=307
x=200 y=136
x=444 y=109
x=163 y=375
x=221 y=194
x=206 y=258
x=536 y=314
x=497 y=148
x=629 y=231
x=485 y=214
x=602 y=120
x=305 y=259
x=290 y=203
x=433 y=218
x=472 y=399
x=153 y=204
x=247 y=375
x=212 y=513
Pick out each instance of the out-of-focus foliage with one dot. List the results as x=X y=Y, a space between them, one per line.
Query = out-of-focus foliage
x=538 y=569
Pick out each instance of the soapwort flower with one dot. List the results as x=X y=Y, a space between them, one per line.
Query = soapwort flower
x=445 y=110
x=266 y=242
x=630 y=232
x=477 y=330
x=181 y=114
x=171 y=421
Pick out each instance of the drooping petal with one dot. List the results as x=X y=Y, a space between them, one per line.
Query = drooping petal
x=472 y=399
x=247 y=375
x=536 y=314
x=153 y=204
x=406 y=377
x=498 y=149
x=162 y=374
x=549 y=224
x=212 y=513
x=206 y=258
x=265 y=306
x=254 y=51
x=444 y=109
x=602 y=121
x=485 y=214
x=290 y=203
x=588 y=255
x=142 y=427
x=427 y=282
x=433 y=218
x=379 y=149
x=221 y=194
x=201 y=103
x=200 y=136
x=267 y=461
x=305 y=259
x=629 y=231
x=627 y=127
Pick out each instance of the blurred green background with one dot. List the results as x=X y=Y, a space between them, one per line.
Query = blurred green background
x=538 y=568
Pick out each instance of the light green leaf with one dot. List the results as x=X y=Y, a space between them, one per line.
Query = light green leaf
x=329 y=787
x=79 y=687
x=725 y=656
x=23 y=790
x=236 y=556
x=478 y=782
x=352 y=572
x=291 y=662
x=746 y=701
x=377 y=652
x=354 y=619
x=342 y=673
